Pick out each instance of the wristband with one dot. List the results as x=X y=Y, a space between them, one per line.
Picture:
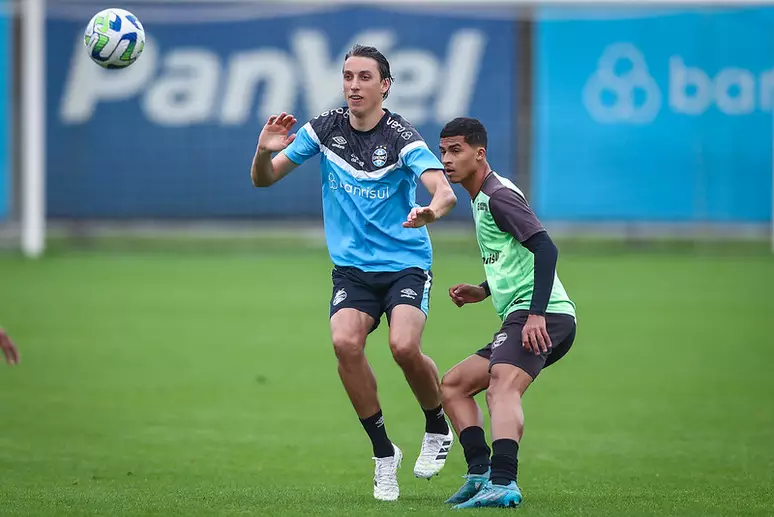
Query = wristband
x=485 y=286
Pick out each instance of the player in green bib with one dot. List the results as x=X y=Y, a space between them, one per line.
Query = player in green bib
x=538 y=318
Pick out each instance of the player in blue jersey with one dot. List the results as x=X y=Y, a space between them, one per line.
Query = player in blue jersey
x=370 y=161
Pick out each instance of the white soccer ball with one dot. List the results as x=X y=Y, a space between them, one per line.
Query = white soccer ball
x=114 y=38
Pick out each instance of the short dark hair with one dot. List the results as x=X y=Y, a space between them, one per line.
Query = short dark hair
x=471 y=129
x=381 y=62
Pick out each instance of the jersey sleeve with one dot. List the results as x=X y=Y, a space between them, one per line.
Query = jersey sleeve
x=305 y=146
x=513 y=215
x=419 y=158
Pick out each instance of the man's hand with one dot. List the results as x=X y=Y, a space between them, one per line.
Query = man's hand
x=466 y=293
x=274 y=135
x=534 y=335
x=420 y=216
x=443 y=199
x=8 y=348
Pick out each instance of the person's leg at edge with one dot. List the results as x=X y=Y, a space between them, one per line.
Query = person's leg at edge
x=406 y=326
x=458 y=387
x=407 y=323
x=507 y=386
x=349 y=330
x=504 y=398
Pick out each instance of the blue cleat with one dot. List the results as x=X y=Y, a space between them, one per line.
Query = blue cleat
x=473 y=483
x=495 y=496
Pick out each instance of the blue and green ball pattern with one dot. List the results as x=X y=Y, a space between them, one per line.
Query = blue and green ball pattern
x=115 y=38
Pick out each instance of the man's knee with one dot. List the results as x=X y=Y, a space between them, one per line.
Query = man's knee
x=453 y=386
x=466 y=378
x=405 y=350
x=348 y=342
x=348 y=347
x=406 y=325
x=348 y=333
x=507 y=383
x=450 y=385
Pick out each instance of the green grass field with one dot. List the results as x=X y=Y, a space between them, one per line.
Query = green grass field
x=204 y=383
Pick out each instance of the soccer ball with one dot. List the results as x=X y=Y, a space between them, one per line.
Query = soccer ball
x=114 y=38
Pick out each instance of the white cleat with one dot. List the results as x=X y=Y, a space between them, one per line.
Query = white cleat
x=432 y=457
x=386 y=476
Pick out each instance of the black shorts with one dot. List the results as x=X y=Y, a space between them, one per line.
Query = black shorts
x=508 y=349
x=377 y=293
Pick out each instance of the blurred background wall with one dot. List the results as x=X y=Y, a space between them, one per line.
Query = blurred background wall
x=630 y=116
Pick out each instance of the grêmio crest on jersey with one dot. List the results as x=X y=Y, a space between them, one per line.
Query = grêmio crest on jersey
x=379 y=158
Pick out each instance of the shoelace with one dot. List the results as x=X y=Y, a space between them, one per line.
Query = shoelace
x=383 y=468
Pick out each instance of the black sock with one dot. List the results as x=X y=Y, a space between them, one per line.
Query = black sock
x=435 y=422
x=504 y=461
x=374 y=426
x=476 y=450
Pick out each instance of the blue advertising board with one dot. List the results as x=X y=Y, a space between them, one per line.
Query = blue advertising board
x=173 y=135
x=655 y=118
x=5 y=108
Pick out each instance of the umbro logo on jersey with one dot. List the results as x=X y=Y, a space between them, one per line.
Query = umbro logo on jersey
x=339 y=142
x=340 y=296
x=408 y=293
x=481 y=206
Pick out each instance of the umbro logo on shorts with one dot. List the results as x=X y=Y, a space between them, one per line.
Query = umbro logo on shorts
x=499 y=339
x=408 y=293
x=340 y=296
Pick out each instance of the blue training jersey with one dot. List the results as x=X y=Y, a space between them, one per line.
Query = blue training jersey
x=369 y=182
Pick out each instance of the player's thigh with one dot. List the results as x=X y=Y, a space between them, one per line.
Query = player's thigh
x=406 y=326
x=351 y=290
x=466 y=378
x=406 y=302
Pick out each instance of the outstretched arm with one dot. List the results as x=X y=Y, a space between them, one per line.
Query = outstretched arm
x=444 y=198
x=442 y=202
